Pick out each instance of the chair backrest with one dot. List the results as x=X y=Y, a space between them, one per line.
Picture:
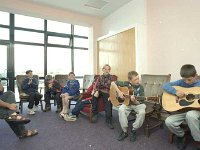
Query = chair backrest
x=61 y=78
x=48 y=77
x=87 y=81
x=153 y=84
x=19 y=81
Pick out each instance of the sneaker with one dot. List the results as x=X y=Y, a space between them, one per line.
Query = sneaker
x=31 y=112
x=35 y=108
x=133 y=136
x=181 y=143
x=94 y=118
x=109 y=125
x=47 y=108
x=69 y=118
x=122 y=136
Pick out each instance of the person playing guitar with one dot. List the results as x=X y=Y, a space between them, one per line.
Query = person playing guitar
x=124 y=110
x=173 y=122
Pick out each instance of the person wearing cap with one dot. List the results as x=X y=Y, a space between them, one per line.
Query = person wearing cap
x=30 y=87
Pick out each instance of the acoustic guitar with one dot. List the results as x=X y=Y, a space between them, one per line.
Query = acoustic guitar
x=116 y=100
x=191 y=100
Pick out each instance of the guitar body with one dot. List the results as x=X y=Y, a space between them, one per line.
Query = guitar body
x=173 y=103
x=115 y=100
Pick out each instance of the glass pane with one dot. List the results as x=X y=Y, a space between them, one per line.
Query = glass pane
x=29 y=57
x=81 y=61
x=59 y=27
x=3 y=59
x=29 y=22
x=5 y=84
x=80 y=30
x=4 y=18
x=58 y=40
x=58 y=60
x=4 y=33
x=79 y=42
x=26 y=36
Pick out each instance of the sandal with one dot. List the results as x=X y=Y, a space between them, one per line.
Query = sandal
x=28 y=133
x=18 y=119
x=62 y=115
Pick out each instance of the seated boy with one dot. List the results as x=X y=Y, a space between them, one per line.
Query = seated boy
x=70 y=91
x=52 y=88
x=124 y=111
x=173 y=122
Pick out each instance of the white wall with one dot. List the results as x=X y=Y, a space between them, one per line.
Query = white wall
x=130 y=15
x=173 y=35
x=44 y=12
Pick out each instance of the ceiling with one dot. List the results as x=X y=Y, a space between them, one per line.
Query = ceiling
x=100 y=8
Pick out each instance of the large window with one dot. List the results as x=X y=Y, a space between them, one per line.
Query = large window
x=44 y=46
x=29 y=57
x=58 y=60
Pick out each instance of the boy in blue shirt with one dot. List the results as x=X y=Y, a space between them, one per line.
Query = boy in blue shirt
x=173 y=122
x=70 y=91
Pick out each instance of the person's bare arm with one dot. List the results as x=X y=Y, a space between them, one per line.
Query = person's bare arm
x=7 y=105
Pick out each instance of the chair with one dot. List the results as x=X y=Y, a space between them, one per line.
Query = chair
x=61 y=78
x=153 y=88
x=87 y=81
x=87 y=110
x=23 y=96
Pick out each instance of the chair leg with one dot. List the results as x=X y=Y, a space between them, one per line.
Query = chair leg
x=147 y=127
x=21 y=107
x=171 y=137
x=41 y=105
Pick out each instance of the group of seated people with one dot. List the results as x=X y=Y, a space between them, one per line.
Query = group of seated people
x=101 y=88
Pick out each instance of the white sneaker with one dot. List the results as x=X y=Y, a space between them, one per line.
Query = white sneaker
x=69 y=118
x=31 y=112
x=35 y=108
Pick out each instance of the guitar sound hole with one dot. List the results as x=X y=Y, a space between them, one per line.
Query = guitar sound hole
x=120 y=100
x=199 y=101
x=190 y=97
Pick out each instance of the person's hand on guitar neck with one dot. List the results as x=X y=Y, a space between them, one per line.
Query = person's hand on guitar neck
x=180 y=94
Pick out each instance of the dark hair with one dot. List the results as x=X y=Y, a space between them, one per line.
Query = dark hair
x=28 y=71
x=188 y=71
x=131 y=74
x=71 y=73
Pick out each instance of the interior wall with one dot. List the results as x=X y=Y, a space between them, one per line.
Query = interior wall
x=128 y=16
x=119 y=52
x=173 y=35
x=44 y=12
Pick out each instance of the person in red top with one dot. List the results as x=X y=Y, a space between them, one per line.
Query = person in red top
x=103 y=89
